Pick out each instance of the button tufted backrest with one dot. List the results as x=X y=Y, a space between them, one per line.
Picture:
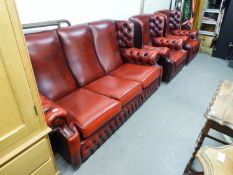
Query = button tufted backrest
x=53 y=76
x=142 y=21
x=174 y=19
x=157 y=25
x=125 y=34
x=152 y=25
x=106 y=46
x=80 y=53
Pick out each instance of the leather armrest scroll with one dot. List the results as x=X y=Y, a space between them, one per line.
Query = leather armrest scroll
x=191 y=33
x=140 y=56
x=176 y=44
x=55 y=115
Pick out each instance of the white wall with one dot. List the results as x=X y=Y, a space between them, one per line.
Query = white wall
x=76 y=11
x=151 y=6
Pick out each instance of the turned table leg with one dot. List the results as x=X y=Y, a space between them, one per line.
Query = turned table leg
x=199 y=142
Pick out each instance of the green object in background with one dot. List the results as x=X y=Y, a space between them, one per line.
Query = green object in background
x=187 y=9
x=187 y=13
x=179 y=4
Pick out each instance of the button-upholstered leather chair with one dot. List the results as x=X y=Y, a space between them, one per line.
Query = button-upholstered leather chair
x=150 y=30
x=173 y=30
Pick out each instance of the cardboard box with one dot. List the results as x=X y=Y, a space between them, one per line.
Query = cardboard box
x=206 y=41
x=206 y=50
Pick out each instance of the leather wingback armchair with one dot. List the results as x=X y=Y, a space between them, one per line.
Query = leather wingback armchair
x=149 y=29
x=173 y=30
x=89 y=86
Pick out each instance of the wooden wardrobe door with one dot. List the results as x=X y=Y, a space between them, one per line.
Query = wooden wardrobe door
x=24 y=143
x=18 y=116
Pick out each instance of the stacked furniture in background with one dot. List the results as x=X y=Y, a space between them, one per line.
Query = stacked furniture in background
x=87 y=89
x=173 y=30
x=150 y=30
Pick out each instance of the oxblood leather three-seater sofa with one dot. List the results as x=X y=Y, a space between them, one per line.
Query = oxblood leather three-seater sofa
x=87 y=88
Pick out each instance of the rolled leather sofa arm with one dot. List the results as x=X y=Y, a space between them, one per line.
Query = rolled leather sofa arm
x=65 y=137
x=55 y=115
x=192 y=34
x=140 y=56
x=162 y=51
x=184 y=38
x=67 y=141
x=172 y=43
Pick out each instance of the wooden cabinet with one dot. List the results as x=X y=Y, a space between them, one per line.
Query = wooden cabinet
x=30 y=160
x=24 y=144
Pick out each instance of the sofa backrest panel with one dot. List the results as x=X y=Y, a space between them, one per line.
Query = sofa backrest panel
x=105 y=41
x=53 y=76
x=157 y=25
x=173 y=19
x=144 y=21
x=80 y=53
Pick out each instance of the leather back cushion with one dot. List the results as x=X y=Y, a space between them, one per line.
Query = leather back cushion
x=105 y=41
x=174 y=18
x=144 y=22
x=80 y=53
x=157 y=25
x=125 y=34
x=53 y=76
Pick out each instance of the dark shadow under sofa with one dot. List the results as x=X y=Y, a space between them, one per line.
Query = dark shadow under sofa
x=89 y=86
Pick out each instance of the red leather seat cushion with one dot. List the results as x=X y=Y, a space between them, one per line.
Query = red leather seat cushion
x=120 y=89
x=144 y=74
x=89 y=110
x=178 y=56
x=195 y=44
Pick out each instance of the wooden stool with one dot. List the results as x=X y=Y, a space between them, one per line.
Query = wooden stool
x=216 y=161
x=219 y=117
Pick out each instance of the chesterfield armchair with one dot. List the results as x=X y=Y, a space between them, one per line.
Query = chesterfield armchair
x=127 y=37
x=173 y=30
x=149 y=29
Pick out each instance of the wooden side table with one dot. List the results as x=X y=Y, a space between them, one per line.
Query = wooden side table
x=219 y=117
x=216 y=161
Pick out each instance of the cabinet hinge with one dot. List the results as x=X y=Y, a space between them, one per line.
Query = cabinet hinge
x=35 y=109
